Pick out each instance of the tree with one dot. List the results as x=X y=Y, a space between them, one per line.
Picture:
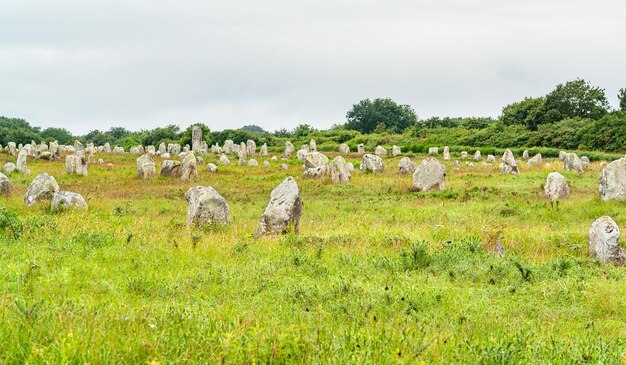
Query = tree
x=528 y=112
x=367 y=115
x=622 y=99
x=303 y=130
x=575 y=99
x=62 y=135
x=252 y=128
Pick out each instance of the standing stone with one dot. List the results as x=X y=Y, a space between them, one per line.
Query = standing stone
x=263 y=152
x=289 y=149
x=312 y=146
x=446 y=153
x=78 y=146
x=508 y=165
x=224 y=160
x=380 y=151
x=243 y=150
x=316 y=172
x=206 y=207
x=162 y=149
x=252 y=162
x=491 y=158
x=54 y=150
x=67 y=200
x=430 y=175
x=41 y=188
x=344 y=149
x=12 y=148
x=266 y=163
x=339 y=172
x=556 y=187
x=229 y=147
x=463 y=155
x=250 y=147
x=604 y=242
x=196 y=138
x=433 y=151
x=456 y=164
x=395 y=150
x=562 y=155
x=118 y=149
x=315 y=159
x=613 y=181
x=573 y=163
x=350 y=166
x=189 y=169
x=477 y=155
x=536 y=160
x=76 y=165
x=361 y=148
x=406 y=166
x=211 y=167
x=284 y=210
x=9 y=167
x=171 y=168
x=146 y=168
x=21 y=162
x=301 y=154
x=525 y=155
x=5 y=185
x=372 y=163
x=107 y=147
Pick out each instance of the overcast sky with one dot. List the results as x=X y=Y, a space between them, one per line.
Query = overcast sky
x=93 y=64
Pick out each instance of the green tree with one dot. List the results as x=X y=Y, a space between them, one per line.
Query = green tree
x=252 y=128
x=528 y=112
x=367 y=115
x=573 y=99
x=621 y=96
x=62 y=135
x=303 y=130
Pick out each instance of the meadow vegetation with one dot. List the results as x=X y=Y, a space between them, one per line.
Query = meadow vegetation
x=378 y=274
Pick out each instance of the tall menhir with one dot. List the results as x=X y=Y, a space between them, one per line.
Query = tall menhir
x=196 y=138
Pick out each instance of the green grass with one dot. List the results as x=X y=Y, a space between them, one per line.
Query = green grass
x=378 y=274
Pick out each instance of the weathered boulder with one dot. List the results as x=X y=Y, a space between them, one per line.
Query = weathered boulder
x=301 y=154
x=463 y=155
x=525 y=155
x=206 y=207
x=573 y=163
x=339 y=172
x=21 y=167
x=78 y=146
x=315 y=159
x=613 y=181
x=380 y=151
x=5 y=185
x=536 y=160
x=9 y=167
x=76 y=165
x=430 y=175
x=146 y=168
x=562 y=155
x=289 y=149
x=196 y=138
x=189 y=169
x=229 y=147
x=372 y=163
x=446 y=153
x=508 y=165
x=433 y=151
x=406 y=166
x=477 y=155
x=360 y=148
x=284 y=167
x=316 y=172
x=604 y=237
x=41 y=188
x=266 y=163
x=252 y=162
x=491 y=158
x=263 y=151
x=66 y=200
x=250 y=147
x=350 y=166
x=12 y=148
x=284 y=210
x=224 y=160
x=312 y=146
x=344 y=149
x=211 y=167
x=395 y=150
x=556 y=187
x=171 y=168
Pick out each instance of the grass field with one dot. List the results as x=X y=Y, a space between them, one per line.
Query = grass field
x=378 y=274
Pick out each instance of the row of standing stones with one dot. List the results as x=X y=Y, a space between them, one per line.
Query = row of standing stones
x=206 y=206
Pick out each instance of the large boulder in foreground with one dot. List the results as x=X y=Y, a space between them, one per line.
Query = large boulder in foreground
x=613 y=181
x=339 y=172
x=67 y=200
x=5 y=185
x=556 y=187
x=315 y=159
x=206 y=207
x=284 y=210
x=430 y=175
x=604 y=242
x=43 y=187
x=372 y=163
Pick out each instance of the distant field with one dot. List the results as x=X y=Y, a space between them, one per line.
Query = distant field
x=378 y=274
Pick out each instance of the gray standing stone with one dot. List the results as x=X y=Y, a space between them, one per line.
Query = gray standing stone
x=189 y=170
x=612 y=184
x=350 y=166
x=21 y=162
x=315 y=159
x=252 y=162
x=406 y=166
x=463 y=155
x=395 y=150
x=508 y=165
x=433 y=151
x=491 y=158
x=41 y=188
x=604 y=237
x=339 y=172
x=573 y=163
x=146 y=168
x=266 y=163
x=344 y=149
x=263 y=151
x=361 y=149
x=284 y=167
x=316 y=172
x=5 y=185
x=171 y=168
x=536 y=160
x=477 y=155
x=78 y=146
x=76 y=165
x=206 y=207
x=562 y=155
x=525 y=155
x=67 y=200
x=372 y=163
x=196 y=138
x=250 y=147
x=289 y=149
x=224 y=160
x=284 y=210
x=12 y=148
x=380 y=151
x=430 y=175
x=556 y=187
x=229 y=147
x=211 y=167
x=312 y=146
x=446 y=153
x=9 y=167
